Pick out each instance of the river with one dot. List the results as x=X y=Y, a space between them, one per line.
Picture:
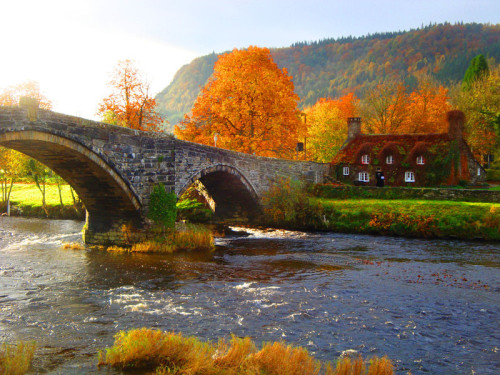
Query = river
x=432 y=306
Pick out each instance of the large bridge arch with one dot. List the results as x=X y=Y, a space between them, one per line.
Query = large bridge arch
x=106 y=195
x=227 y=190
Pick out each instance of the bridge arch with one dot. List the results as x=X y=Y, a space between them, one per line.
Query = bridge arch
x=227 y=190
x=106 y=195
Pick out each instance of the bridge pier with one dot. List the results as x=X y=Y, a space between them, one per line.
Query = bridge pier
x=102 y=229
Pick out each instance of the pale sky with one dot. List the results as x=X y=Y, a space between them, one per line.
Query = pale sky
x=71 y=46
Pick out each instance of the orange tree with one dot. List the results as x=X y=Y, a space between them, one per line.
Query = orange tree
x=389 y=109
x=250 y=104
x=129 y=104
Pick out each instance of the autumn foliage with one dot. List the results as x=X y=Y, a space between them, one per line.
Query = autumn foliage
x=390 y=109
x=11 y=95
x=130 y=104
x=327 y=126
x=249 y=103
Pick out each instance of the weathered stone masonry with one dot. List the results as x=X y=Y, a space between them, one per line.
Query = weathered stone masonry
x=114 y=169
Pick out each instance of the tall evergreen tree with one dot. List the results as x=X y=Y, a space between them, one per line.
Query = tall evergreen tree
x=478 y=68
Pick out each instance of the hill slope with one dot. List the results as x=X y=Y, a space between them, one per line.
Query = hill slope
x=334 y=67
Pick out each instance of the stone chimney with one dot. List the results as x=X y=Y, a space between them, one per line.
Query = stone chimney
x=456 y=120
x=353 y=127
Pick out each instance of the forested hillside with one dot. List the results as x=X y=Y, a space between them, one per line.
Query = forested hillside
x=334 y=67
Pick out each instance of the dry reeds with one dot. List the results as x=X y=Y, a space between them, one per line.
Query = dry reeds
x=72 y=246
x=192 y=238
x=16 y=359
x=172 y=353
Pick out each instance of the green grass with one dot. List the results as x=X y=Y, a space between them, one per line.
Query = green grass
x=26 y=194
x=26 y=200
x=416 y=218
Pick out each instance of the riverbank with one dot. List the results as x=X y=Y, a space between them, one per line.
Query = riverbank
x=410 y=218
x=344 y=210
x=326 y=208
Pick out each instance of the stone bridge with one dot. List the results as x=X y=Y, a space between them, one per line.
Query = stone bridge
x=114 y=169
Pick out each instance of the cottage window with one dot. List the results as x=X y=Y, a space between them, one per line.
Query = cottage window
x=363 y=176
x=346 y=171
x=420 y=160
x=389 y=159
x=479 y=171
x=409 y=177
x=365 y=159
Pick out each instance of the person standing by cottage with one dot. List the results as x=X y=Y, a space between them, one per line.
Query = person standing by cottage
x=379 y=175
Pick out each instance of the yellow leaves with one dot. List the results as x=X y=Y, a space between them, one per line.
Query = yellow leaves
x=327 y=126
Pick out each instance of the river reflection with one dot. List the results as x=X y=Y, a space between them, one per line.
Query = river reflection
x=431 y=306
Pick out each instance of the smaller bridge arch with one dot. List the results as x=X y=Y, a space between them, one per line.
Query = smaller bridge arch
x=226 y=189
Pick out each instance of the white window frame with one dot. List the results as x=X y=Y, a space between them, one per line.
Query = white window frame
x=420 y=160
x=478 y=171
x=409 y=176
x=389 y=159
x=365 y=159
x=363 y=176
x=345 y=171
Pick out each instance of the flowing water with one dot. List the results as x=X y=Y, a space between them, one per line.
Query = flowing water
x=432 y=306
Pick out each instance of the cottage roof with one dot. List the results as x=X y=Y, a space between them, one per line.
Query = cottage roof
x=377 y=144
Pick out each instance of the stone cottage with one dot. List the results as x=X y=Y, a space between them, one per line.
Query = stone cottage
x=408 y=159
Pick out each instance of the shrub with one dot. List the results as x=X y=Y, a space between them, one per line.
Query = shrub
x=162 y=207
x=277 y=359
x=16 y=359
x=287 y=204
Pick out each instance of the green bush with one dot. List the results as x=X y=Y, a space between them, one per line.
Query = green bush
x=162 y=207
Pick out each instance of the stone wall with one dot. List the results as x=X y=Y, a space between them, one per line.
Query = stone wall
x=464 y=195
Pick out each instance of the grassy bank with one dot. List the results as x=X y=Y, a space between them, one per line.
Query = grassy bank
x=26 y=200
x=288 y=205
x=413 y=218
x=172 y=353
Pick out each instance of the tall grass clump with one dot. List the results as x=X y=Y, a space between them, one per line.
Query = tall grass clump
x=172 y=353
x=277 y=359
x=16 y=359
x=189 y=238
